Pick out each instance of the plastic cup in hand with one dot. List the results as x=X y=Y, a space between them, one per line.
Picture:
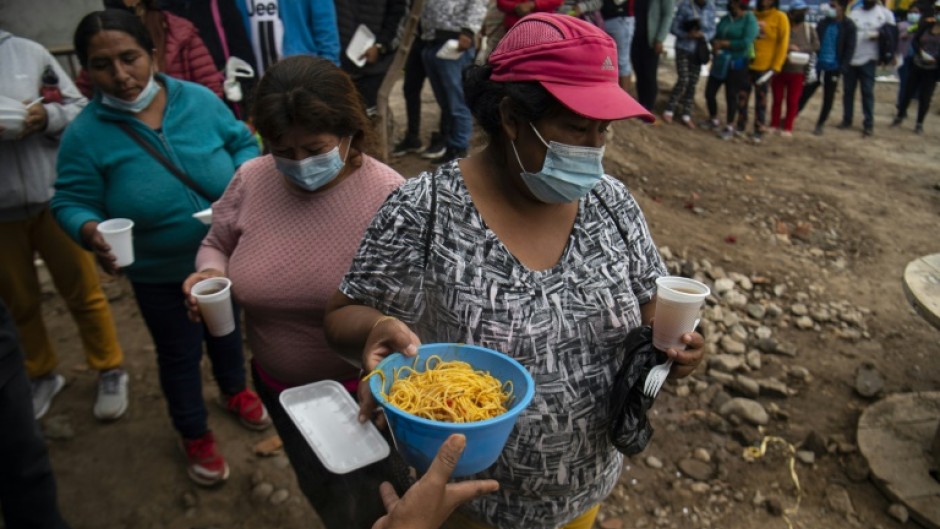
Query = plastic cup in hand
x=678 y=303
x=214 y=297
x=118 y=234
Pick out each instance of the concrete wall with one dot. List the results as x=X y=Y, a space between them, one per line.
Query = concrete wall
x=49 y=22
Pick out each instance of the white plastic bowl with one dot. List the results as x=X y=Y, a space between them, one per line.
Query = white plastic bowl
x=12 y=125
x=8 y=103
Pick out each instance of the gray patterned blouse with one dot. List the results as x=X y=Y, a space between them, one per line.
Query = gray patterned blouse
x=565 y=324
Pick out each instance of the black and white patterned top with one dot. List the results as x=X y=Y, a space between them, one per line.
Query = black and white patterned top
x=566 y=324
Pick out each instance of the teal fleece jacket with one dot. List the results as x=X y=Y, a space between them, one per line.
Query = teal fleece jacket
x=103 y=173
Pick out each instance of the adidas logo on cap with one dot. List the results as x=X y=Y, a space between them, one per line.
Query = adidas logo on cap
x=608 y=64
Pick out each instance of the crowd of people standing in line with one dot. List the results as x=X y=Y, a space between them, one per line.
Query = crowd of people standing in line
x=157 y=102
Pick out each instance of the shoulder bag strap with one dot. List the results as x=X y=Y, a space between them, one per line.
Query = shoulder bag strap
x=610 y=213
x=158 y=156
x=429 y=234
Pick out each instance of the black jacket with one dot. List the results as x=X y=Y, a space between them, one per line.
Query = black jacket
x=845 y=44
x=383 y=17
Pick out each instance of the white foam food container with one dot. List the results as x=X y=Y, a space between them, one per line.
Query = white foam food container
x=362 y=40
x=327 y=416
x=204 y=216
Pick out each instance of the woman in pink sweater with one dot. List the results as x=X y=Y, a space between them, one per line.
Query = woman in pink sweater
x=285 y=232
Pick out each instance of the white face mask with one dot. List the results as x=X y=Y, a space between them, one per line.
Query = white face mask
x=142 y=101
x=569 y=172
x=313 y=172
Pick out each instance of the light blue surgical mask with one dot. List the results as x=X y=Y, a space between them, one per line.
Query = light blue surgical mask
x=142 y=101
x=313 y=172
x=569 y=172
x=913 y=18
x=827 y=11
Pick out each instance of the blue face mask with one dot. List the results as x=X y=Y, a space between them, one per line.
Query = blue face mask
x=142 y=101
x=568 y=173
x=913 y=18
x=827 y=11
x=314 y=172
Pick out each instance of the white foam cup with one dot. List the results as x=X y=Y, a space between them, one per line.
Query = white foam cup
x=118 y=233
x=214 y=297
x=678 y=303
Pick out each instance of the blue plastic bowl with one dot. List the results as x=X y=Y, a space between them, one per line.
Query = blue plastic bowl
x=418 y=439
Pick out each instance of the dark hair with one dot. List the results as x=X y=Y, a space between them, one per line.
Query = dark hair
x=314 y=94
x=842 y=3
x=529 y=100
x=109 y=20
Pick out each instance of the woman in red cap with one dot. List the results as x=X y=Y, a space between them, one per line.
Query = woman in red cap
x=528 y=248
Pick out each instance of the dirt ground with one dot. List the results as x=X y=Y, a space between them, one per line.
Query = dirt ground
x=867 y=206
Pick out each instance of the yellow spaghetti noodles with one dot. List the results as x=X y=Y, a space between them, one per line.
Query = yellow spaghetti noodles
x=449 y=391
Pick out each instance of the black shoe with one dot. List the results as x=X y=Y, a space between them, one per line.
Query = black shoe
x=450 y=154
x=844 y=126
x=408 y=145
x=818 y=131
x=897 y=121
x=919 y=128
x=436 y=148
x=867 y=131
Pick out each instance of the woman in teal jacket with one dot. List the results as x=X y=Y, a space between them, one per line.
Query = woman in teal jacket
x=104 y=172
x=733 y=46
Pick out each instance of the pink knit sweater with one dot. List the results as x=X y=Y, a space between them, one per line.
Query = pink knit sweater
x=286 y=252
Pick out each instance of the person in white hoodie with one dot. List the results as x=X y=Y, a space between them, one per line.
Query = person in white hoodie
x=27 y=227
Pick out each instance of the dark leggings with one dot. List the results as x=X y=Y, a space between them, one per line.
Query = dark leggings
x=683 y=93
x=760 y=102
x=922 y=83
x=829 y=81
x=734 y=83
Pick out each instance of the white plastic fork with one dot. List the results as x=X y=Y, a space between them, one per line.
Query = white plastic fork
x=657 y=376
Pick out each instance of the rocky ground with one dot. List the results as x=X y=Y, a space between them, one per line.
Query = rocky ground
x=804 y=241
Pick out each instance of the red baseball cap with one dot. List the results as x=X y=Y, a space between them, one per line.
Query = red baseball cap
x=574 y=60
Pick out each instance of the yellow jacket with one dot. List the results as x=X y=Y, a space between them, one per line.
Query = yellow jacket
x=770 y=48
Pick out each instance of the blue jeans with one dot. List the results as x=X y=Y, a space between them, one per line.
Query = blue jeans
x=621 y=30
x=446 y=77
x=179 y=353
x=863 y=75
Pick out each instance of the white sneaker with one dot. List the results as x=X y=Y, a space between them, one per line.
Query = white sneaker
x=111 y=402
x=44 y=390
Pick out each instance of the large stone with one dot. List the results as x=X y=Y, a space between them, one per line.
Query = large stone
x=732 y=346
x=697 y=470
x=746 y=409
x=898 y=512
x=739 y=333
x=746 y=386
x=839 y=501
x=815 y=443
x=804 y=322
x=279 y=497
x=753 y=359
x=756 y=311
x=726 y=363
x=771 y=387
x=723 y=285
x=58 y=428
x=262 y=491
x=763 y=332
x=868 y=381
x=654 y=462
x=746 y=435
x=799 y=309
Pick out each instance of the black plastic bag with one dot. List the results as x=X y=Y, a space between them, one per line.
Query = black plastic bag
x=630 y=430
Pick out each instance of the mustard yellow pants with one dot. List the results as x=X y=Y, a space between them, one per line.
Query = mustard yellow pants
x=460 y=521
x=75 y=277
